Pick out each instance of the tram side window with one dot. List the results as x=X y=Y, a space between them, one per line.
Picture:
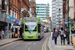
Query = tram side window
x=23 y=27
x=38 y=28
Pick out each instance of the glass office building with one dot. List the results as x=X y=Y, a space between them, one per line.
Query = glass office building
x=57 y=13
x=42 y=11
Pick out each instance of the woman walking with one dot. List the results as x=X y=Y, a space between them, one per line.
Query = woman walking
x=2 y=34
x=61 y=35
x=64 y=38
x=55 y=35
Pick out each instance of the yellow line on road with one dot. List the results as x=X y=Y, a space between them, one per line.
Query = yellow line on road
x=44 y=44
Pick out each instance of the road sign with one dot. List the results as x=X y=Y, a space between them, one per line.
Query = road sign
x=66 y=22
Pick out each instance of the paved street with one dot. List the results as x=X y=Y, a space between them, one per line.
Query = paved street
x=27 y=45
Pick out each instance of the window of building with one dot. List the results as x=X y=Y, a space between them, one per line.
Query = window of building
x=16 y=16
x=3 y=4
x=11 y=13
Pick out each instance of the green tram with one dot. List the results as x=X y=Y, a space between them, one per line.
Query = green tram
x=33 y=28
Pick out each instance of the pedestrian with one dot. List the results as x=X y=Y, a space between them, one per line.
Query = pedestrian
x=67 y=35
x=55 y=35
x=2 y=34
x=61 y=35
x=21 y=31
x=12 y=30
x=64 y=37
x=73 y=34
x=16 y=32
x=58 y=31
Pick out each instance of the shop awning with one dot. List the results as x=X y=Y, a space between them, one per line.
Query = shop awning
x=17 y=22
x=9 y=17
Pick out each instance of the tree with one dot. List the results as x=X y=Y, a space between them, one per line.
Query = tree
x=25 y=13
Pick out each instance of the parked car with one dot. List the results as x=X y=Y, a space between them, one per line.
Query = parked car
x=46 y=30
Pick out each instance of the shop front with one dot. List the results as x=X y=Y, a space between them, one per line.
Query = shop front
x=5 y=23
x=16 y=26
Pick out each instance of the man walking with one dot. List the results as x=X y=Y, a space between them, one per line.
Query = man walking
x=61 y=35
x=12 y=30
x=21 y=31
x=55 y=35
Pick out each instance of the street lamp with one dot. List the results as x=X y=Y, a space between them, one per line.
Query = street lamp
x=68 y=21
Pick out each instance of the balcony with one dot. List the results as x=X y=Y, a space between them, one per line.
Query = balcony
x=2 y=17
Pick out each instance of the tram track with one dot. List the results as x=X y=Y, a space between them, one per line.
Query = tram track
x=27 y=47
x=25 y=44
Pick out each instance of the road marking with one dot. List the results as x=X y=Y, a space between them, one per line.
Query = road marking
x=45 y=43
x=31 y=45
x=34 y=43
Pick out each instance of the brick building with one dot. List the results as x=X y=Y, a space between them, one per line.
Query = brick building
x=64 y=8
x=25 y=4
x=10 y=11
x=15 y=7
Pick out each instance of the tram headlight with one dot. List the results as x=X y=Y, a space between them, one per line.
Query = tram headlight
x=35 y=34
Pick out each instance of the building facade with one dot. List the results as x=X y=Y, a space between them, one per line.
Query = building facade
x=10 y=11
x=64 y=8
x=42 y=11
x=25 y=4
x=16 y=6
x=32 y=8
x=57 y=13
x=3 y=16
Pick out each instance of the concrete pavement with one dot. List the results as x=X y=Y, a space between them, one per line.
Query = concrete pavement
x=52 y=46
x=6 y=41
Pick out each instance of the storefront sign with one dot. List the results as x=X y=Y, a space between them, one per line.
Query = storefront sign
x=9 y=17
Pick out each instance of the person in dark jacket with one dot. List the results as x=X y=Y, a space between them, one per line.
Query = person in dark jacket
x=21 y=31
x=55 y=35
x=16 y=32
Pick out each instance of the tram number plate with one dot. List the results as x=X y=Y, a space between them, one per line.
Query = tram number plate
x=30 y=33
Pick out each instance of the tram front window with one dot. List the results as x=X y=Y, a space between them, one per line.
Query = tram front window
x=30 y=25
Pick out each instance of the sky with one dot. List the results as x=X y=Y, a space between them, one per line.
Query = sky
x=45 y=1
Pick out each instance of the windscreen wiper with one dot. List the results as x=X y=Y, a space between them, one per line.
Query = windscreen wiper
x=29 y=31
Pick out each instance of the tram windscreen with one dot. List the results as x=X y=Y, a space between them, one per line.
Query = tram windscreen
x=30 y=24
